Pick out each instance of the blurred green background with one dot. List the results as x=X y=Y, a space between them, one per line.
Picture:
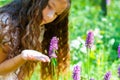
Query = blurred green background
x=87 y=15
x=3 y=2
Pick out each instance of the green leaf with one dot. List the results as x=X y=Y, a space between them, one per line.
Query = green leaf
x=54 y=61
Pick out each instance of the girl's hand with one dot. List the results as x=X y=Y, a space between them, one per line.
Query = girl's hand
x=34 y=56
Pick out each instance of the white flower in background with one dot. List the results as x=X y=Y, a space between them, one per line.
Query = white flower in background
x=104 y=19
x=75 y=44
x=97 y=33
x=108 y=2
x=110 y=24
x=83 y=49
x=78 y=43
x=112 y=41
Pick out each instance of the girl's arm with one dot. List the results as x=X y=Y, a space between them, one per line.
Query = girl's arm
x=12 y=64
x=9 y=40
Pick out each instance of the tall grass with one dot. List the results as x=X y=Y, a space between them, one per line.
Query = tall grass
x=103 y=57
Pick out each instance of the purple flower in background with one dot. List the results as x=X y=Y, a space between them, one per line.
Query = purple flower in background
x=119 y=71
x=90 y=40
x=107 y=76
x=92 y=79
x=53 y=47
x=108 y=2
x=119 y=51
x=76 y=73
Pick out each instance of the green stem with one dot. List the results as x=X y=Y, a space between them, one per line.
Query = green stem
x=53 y=70
x=88 y=62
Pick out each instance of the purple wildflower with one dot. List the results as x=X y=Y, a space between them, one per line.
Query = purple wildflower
x=53 y=47
x=76 y=73
x=108 y=2
x=91 y=78
x=90 y=39
x=119 y=71
x=107 y=76
x=119 y=51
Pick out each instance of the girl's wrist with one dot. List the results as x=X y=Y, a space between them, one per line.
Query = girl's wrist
x=23 y=55
x=28 y=54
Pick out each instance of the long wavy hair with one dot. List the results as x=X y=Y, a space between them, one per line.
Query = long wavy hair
x=28 y=15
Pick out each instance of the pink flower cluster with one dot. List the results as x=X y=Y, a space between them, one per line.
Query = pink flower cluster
x=107 y=76
x=76 y=73
x=90 y=39
x=53 y=47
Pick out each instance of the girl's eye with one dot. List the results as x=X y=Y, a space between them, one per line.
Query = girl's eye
x=56 y=14
x=49 y=6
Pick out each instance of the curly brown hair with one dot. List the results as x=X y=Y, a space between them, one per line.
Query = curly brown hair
x=28 y=15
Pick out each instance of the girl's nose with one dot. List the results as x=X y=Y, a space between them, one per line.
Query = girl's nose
x=51 y=14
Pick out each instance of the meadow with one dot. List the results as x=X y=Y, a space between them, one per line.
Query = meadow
x=102 y=57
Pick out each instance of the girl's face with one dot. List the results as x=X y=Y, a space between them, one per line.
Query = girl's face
x=52 y=10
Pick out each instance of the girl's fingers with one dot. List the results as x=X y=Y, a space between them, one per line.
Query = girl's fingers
x=43 y=58
x=34 y=55
x=47 y=58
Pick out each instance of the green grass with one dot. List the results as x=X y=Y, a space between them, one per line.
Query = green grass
x=4 y=2
x=84 y=16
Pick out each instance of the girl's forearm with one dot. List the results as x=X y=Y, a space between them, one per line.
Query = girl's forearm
x=14 y=63
x=11 y=64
